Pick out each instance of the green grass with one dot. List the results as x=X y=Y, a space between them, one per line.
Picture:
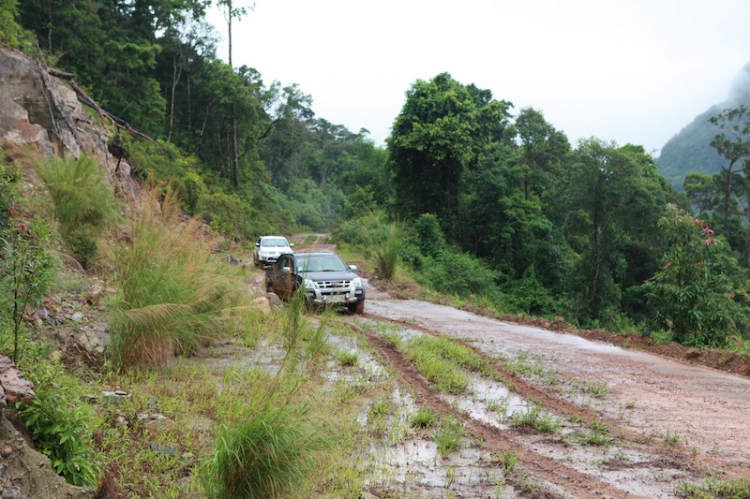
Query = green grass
x=535 y=417
x=672 y=438
x=597 y=389
x=424 y=418
x=348 y=358
x=381 y=407
x=508 y=461
x=172 y=296
x=443 y=373
x=442 y=361
x=449 y=435
x=713 y=488
x=83 y=201
x=267 y=456
x=387 y=253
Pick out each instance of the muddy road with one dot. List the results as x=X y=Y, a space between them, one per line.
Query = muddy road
x=621 y=423
x=667 y=423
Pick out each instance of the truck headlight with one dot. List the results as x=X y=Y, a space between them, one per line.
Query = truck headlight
x=357 y=282
x=310 y=284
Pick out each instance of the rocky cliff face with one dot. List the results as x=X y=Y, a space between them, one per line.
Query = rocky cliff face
x=39 y=112
x=41 y=115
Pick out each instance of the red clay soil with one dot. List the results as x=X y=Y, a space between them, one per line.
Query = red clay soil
x=572 y=481
x=723 y=360
x=680 y=457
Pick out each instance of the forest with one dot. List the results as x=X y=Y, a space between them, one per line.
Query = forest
x=507 y=210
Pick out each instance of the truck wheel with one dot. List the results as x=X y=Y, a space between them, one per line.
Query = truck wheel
x=357 y=308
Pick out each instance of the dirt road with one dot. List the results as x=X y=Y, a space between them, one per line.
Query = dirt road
x=674 y=422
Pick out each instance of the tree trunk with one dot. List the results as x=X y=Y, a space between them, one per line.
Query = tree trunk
x=175 y=78
x=747 y=242
x=597 y=265
x=235 y=155
x=727 y=197
x=235 y=152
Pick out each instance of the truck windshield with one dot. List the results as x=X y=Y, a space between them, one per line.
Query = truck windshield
x=320 y=263
x=274 y=242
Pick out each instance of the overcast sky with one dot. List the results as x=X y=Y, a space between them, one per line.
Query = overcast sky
x=630 y=71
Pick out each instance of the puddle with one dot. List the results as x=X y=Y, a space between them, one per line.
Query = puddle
x=414 y=468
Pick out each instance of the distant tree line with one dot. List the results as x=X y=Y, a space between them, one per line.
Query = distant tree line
x=153 y=63
x=590 y=232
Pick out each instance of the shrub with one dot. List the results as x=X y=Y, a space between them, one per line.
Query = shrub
x=25 y=270
x=61 y=426
x=690 y=294
x=430 y=238
x=226 y=213
x=387 y=254
x=460 y=274
x=84 y=202
x=267 y=456
x=171 y=293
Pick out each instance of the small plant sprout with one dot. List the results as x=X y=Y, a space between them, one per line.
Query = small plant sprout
x=672 y=438
x=508 y=461
x=597 y=389
x=425 y=418
x=630 y=405
x=348 y=358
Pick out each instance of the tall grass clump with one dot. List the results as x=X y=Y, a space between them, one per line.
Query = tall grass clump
x=172 y=295
x=387 y=253
x=83 y=200
x=272 y=448
x=267 y=456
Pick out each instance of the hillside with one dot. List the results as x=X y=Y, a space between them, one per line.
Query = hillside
x=162 y=369
x=690 y=150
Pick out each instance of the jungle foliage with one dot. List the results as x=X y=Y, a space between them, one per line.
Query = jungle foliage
x=476 y=198
x=507 y=212
x=153 y=64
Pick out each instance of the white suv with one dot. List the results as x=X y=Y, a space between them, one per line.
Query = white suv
x=268 y=249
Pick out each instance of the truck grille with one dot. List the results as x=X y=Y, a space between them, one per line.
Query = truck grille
x=333 y=285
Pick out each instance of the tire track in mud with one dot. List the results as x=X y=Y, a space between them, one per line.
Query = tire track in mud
x=573 y=482
x=678 y=456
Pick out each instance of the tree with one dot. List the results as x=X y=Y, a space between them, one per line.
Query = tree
x=542 y=148
x=231 y=13
x=11 y=34
x=690 y=294
x=614 y=201
x=734 y=145
x=435 y=139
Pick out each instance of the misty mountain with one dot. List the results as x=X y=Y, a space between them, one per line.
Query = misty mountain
x=690 y=150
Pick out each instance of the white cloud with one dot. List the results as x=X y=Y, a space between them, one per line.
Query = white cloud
x=635 y=71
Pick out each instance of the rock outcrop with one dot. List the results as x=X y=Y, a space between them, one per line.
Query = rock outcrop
x=41 y=114
x=13 y=388
x=24 y=472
